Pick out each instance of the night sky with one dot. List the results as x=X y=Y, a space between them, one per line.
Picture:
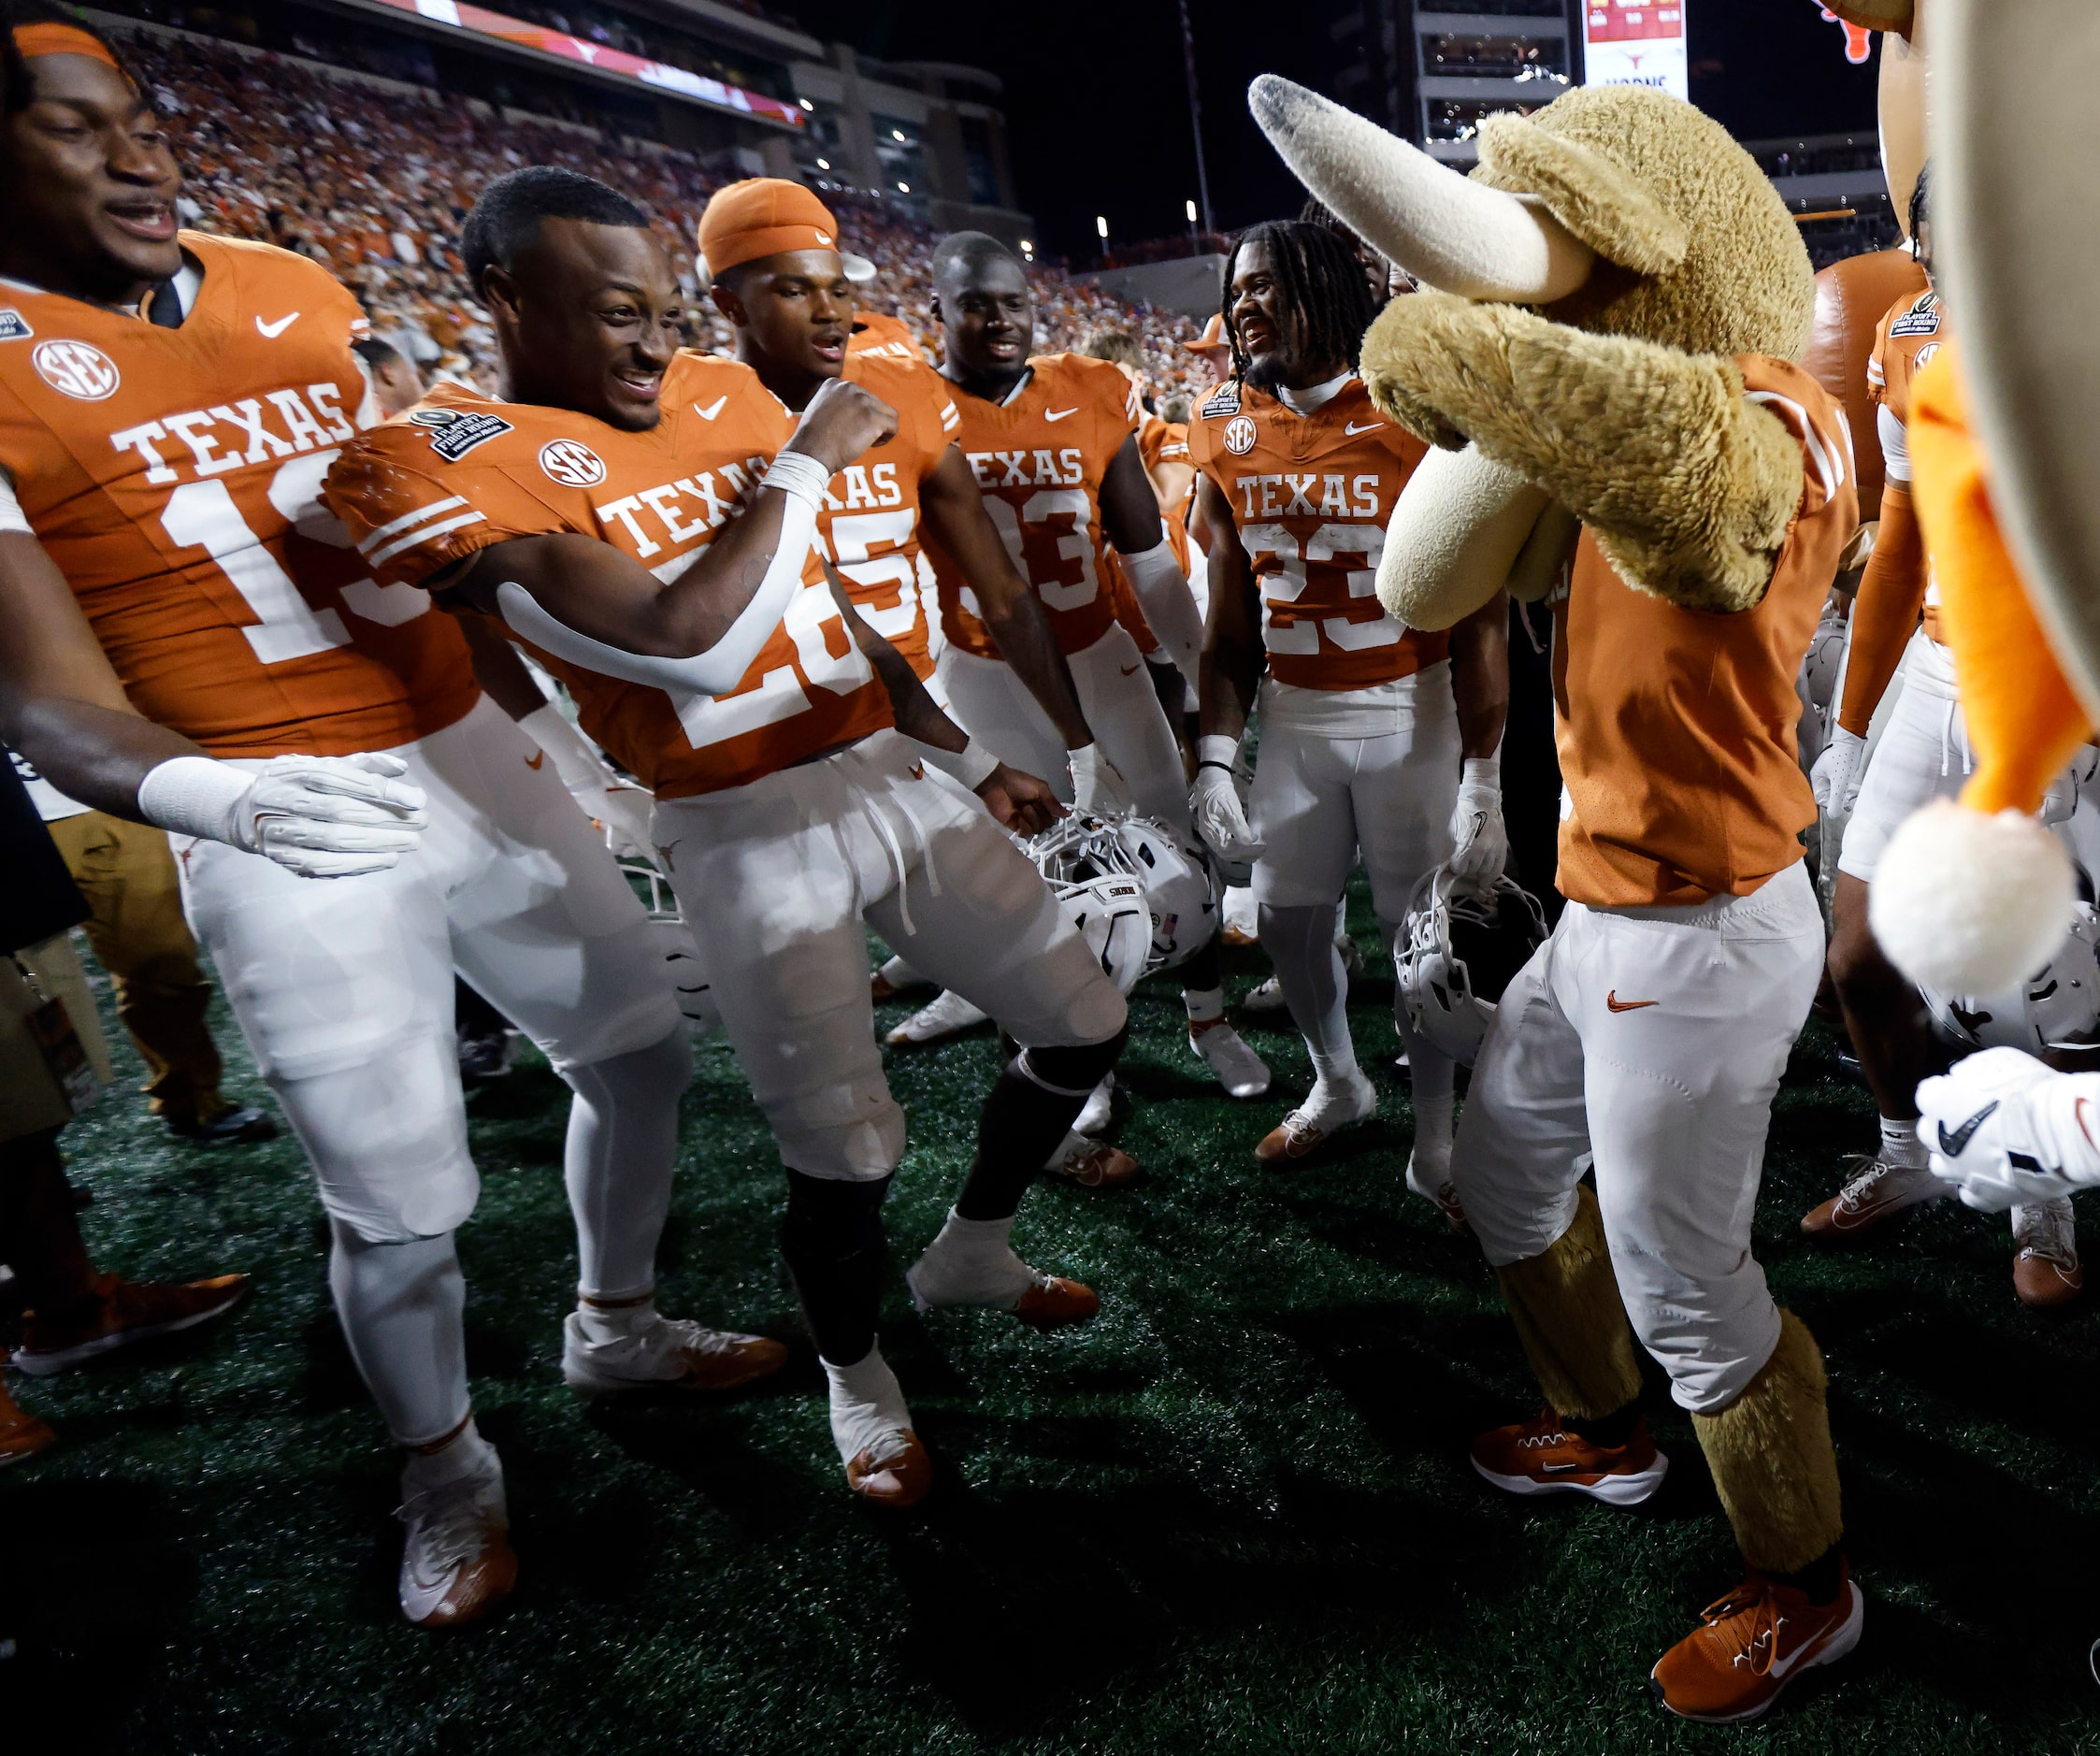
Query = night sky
x=1097 y=114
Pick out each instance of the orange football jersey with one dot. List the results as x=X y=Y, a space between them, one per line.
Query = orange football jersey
x=461 y=471
x=1907 y=336
x=1311 y=497
x=870 y=524
x=1038 y=458
x=174 y=476
x=874 y=333
x=1675 y=727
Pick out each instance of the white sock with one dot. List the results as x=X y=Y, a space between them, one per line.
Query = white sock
x=1205 y=1004
x=622 y=1142
x=601 y=1325
x=400 y=1306
x=1901 y=1146
x=971 y=1262
x=464 y=1456
x=1433 y=1076
x=868 y=1407
x=1301 y=943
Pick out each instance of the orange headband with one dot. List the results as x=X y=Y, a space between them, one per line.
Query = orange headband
x=32 y=41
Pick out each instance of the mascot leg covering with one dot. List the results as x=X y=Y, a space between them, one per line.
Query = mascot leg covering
x=1771 y=1457
x=1568 y=1313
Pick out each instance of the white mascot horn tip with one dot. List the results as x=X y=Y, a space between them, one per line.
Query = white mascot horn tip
x=1970 y=903
x=1444 y=228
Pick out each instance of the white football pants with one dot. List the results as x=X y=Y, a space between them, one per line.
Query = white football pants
x=994 y=706
x=1651 y=1042
x=343 y=987
x=1922 y=755
x=777 y=878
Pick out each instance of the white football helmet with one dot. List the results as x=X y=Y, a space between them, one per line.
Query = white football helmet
x=1173 y=874
x=1818 y=688
x=667 y=921
x=1457 y=951
x=1112 y=916
x=2057 y=1009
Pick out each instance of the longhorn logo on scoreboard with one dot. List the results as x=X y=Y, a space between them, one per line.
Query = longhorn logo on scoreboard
x=1635 y=42
x=77 y=369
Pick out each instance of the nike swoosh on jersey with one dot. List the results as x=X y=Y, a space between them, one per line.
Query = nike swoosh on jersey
x=1612 y=1003
x=712 y=409
x=1951 y=1145
x=1058 y=414
x=536 y=759
x=269 y=332
x=1353 y=429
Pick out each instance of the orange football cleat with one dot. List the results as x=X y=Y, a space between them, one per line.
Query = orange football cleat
x=1541 y=1456
x=1874 y=1193
x=897 y=1479
x=1094 y=1164
x=21 y=1434
x=1751 y=1644
x=124 y=1311
x=1052 y=1301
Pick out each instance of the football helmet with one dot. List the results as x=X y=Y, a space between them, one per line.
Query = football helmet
x=667 y=921
x=2057 y=1009
x=1112 y=916
x=1173 y=872
x=1459 y=948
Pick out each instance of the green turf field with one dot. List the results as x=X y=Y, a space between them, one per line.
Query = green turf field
x=1232 y=1514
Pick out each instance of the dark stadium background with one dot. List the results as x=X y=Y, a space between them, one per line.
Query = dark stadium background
x=1095 y=89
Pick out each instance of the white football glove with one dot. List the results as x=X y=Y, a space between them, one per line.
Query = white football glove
x=317 y=816
x=622 y=812
x=1836 y=778
x=1214 y=801
x=2007 y=1131
x=1479 y=838
x=1096 y=786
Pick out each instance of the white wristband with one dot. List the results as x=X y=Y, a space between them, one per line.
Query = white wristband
x=1215 y=749
x=972 y=765
x=1483 y=771
x=195 y=796
x=800 y=474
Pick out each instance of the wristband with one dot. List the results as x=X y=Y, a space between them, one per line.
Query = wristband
x=1217 y=751
x=972 y=765
x=800 y=474
x=1484 y=771
x=195 y=796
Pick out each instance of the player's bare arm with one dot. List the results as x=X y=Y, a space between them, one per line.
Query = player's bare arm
x=954 y=508
x=1232 y=650
x=61 y=703
x=1019 y=801
x=1480 y=676
x=1131 y=519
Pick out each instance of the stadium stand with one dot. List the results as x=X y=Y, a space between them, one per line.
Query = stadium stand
x=371 y=177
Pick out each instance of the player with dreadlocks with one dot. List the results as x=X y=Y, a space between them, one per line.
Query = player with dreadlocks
x=1366 y=723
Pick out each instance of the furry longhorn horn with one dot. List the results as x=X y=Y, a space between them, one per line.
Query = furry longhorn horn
x=1444 y=228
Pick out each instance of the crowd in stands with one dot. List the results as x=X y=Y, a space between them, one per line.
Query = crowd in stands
x=373 y=184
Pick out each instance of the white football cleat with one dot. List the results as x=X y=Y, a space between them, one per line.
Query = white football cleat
x=893 y=978
x=1268 y=997
x=457 y=1564
x=611 y=1351
x=1095 y=1114
x=946 y=1014
x=1239 y=1068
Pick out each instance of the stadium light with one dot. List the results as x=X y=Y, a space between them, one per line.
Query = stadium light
x=1100 y=225
x=1190 y=206
x=897 y=134
x=808 y=105
x=903 y=189
x=824 y=165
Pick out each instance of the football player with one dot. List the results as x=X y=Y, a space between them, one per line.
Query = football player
x=187 y=638
x=1375 y=738
x=805 y=782
x=1052 y=441
x=1922 y=755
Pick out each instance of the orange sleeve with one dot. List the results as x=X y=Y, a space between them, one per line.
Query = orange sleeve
x=2023 y=718
x=409 y=526
x=1892 y=594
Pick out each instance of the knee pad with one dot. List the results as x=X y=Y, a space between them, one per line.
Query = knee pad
x=829 y=1219
x=1074 y=1072
x=387 y=1140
